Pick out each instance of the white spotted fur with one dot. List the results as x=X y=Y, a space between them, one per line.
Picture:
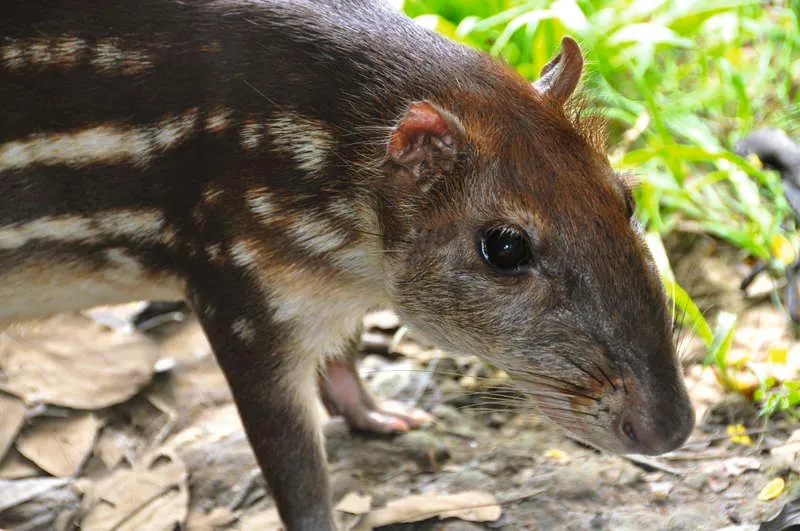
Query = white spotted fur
x=307 y=141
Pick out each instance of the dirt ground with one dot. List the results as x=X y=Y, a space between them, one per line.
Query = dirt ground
x=164 y=449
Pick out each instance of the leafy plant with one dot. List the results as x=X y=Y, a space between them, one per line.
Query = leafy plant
x=678 y=82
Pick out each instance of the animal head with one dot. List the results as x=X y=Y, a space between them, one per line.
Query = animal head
x=519 y=245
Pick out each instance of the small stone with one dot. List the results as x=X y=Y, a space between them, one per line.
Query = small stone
x=687 y=519
x=426 y=449
x=696 y=481
x=467 y=479
x=447 y=414
x=524 y=476
x=661 y=489
x=493 y=468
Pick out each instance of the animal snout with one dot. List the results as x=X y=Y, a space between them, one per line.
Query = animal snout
x=655 y=429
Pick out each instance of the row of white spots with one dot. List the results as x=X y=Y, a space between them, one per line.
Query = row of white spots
x=109 y=143
x=139 y=225
x=107 y=56
x=307 y=141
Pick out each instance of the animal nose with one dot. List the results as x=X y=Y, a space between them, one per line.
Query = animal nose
x=654 y=434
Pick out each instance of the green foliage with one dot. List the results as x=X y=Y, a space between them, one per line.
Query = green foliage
x=679 y=82
x=785 y=398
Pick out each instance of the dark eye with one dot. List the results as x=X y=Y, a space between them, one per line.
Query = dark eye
x=506 y=248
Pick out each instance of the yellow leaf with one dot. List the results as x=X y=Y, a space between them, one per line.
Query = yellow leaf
x=737 y=434
x=771 y=490
x=777 y=355
x=782 y=249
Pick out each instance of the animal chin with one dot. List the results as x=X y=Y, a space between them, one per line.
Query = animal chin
x=584 y=429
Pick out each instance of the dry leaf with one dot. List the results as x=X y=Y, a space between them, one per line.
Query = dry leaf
x=472 y=506
x=72 y=361
x=268 y=520
x=14 y=466
x=12 y=493
x=59 y=446
x=12 y=415
x=152 y=495
x=355 y=503
x=113 y=446
x=772 y=490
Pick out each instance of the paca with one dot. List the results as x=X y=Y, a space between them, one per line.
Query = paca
x=286 y=166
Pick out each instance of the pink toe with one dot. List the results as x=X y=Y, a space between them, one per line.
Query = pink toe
x=382 y=423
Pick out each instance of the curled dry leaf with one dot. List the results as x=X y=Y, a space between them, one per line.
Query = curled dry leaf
x=152 y=495
x=12 y=415
x=472 y=506
x=72 y=361
x=59 y=446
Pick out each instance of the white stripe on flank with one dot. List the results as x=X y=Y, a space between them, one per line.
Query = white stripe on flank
x=306 y=141
x=110 y=143
x=141 y=225
x=316 y=235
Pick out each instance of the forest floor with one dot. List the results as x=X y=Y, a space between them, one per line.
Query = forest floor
x=141 y=433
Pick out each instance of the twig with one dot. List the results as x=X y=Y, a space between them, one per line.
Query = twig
x=638 y=459
x=654 y=463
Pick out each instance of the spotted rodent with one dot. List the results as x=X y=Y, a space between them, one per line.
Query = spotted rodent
x=287 y=166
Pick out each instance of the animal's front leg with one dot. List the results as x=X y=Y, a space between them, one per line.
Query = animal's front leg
x=343 y=393
x=274 y=387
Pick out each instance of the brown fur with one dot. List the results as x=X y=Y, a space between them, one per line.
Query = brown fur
x=311 y=160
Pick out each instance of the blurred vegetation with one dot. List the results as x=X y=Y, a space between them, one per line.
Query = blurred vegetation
x=679 y=82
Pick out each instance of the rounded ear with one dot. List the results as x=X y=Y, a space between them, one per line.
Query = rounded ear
x=560 y=76
x=424 y=144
